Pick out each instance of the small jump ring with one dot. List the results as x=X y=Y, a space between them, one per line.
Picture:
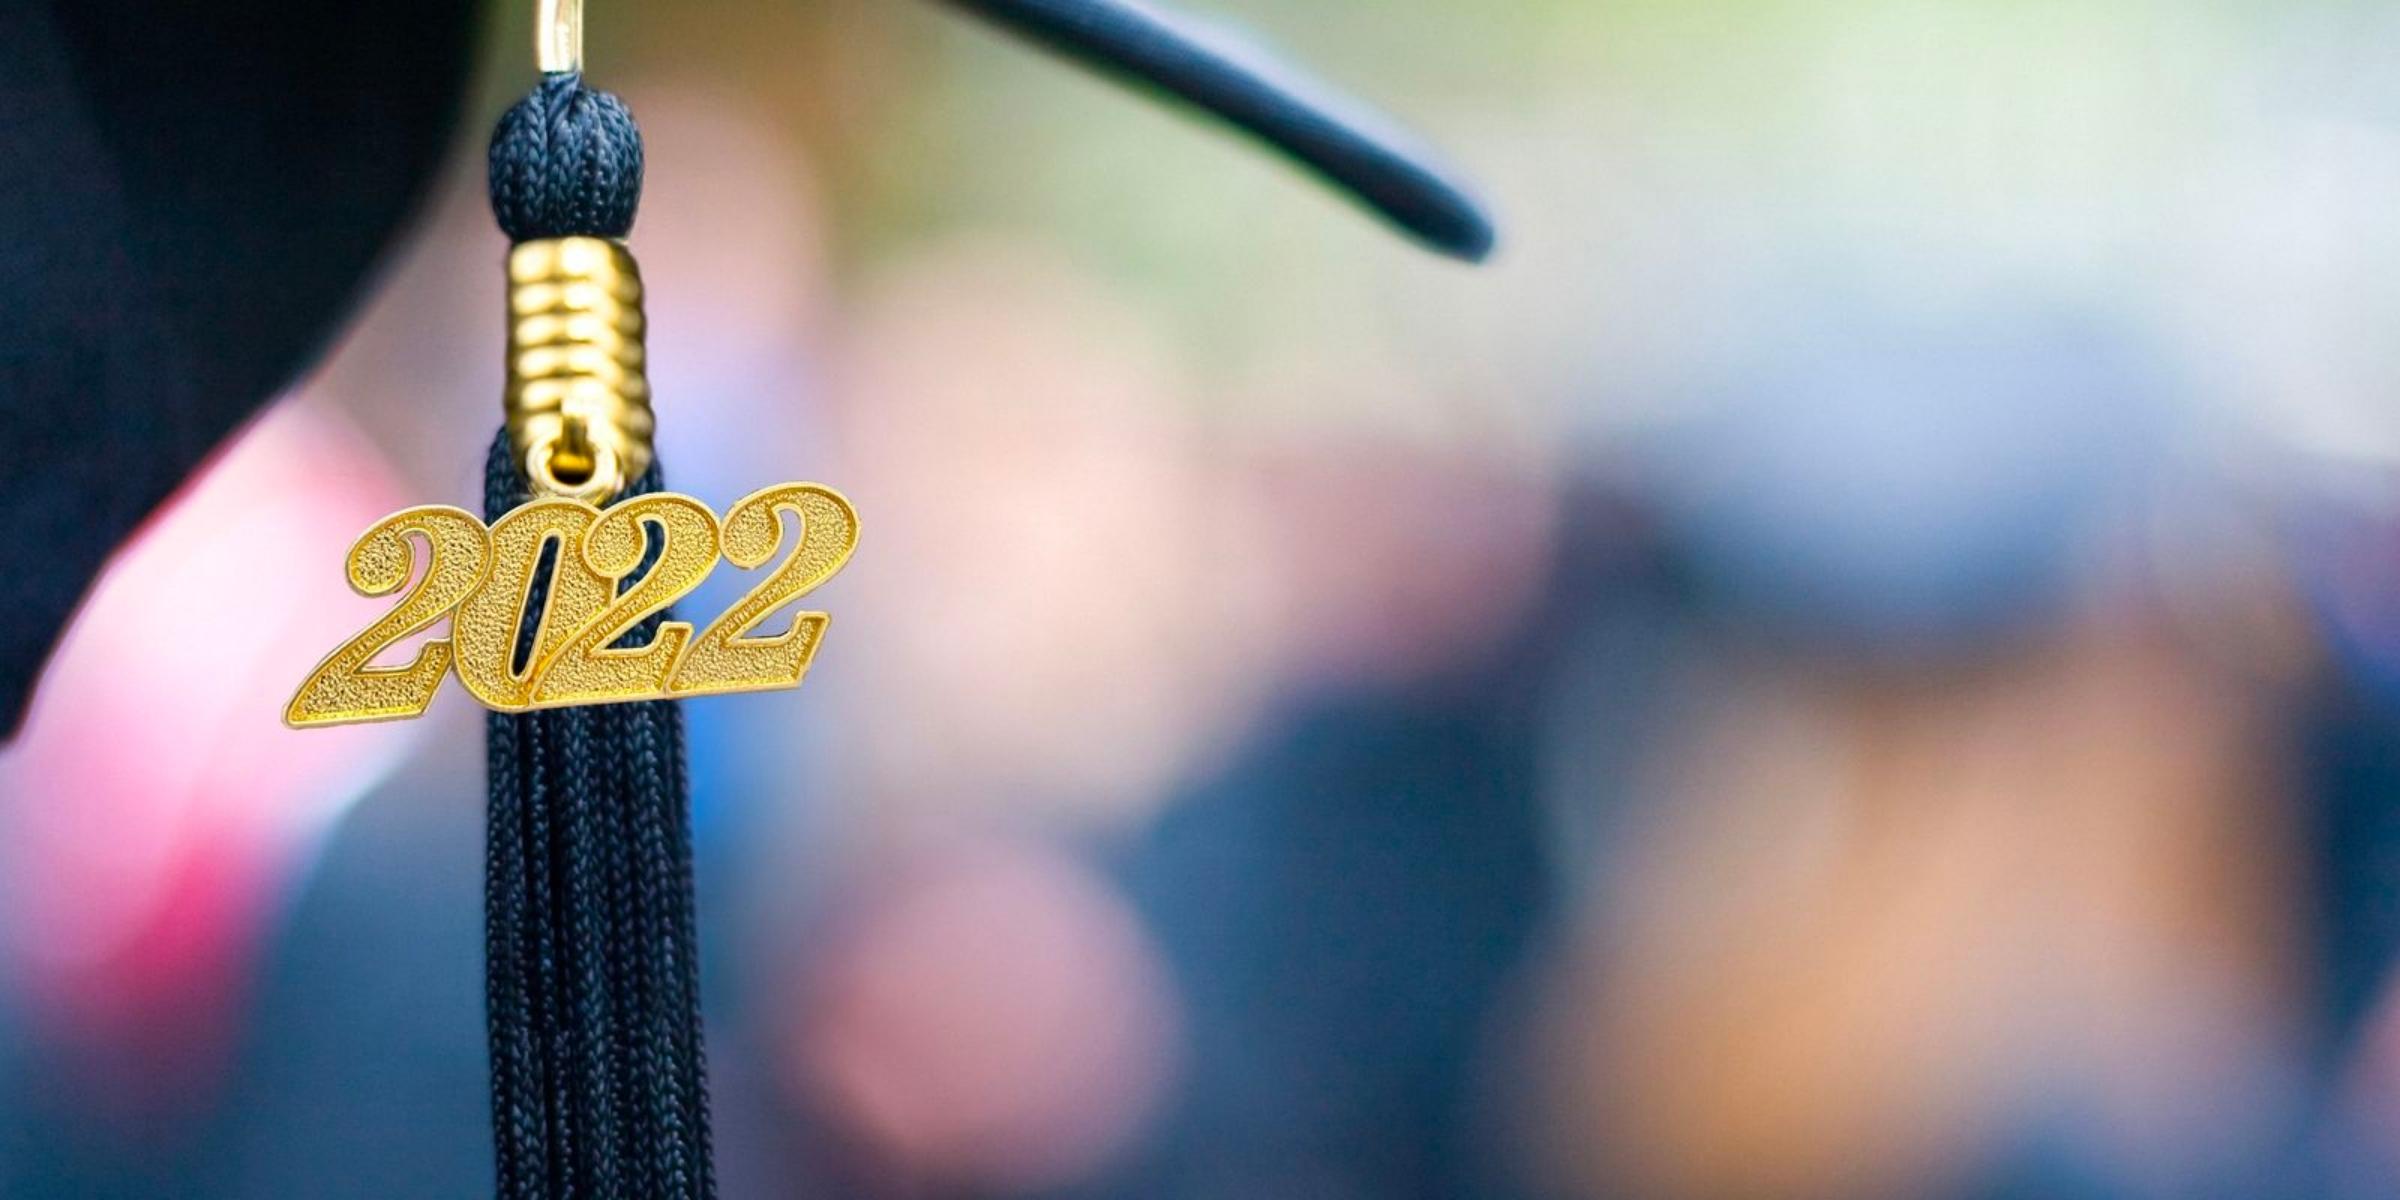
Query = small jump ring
x=604 y=481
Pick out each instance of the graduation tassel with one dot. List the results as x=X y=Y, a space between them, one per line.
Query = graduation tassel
x=558 y=598
x=598 y=1069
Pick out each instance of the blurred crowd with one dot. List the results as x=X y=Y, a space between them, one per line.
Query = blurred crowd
x=1859 y=659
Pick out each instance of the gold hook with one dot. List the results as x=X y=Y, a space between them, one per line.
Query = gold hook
x=558 y=35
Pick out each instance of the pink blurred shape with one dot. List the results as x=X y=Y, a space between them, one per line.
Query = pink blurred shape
x=991 y=1017
x=154 y=804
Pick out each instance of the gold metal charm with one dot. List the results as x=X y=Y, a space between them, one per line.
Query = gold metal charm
x=578 y=652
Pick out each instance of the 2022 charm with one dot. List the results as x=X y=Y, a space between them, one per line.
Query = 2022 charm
x=596 y=595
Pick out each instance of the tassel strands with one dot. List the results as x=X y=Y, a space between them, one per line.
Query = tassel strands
x=598 y=1063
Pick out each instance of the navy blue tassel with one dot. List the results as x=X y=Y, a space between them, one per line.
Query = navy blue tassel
x=599 y=1078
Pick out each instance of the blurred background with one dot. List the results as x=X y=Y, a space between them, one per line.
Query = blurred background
x=1860 y=658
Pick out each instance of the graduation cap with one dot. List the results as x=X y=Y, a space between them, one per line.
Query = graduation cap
x=198 y=192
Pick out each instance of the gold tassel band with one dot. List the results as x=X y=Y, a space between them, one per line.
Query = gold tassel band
x=578 y=401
